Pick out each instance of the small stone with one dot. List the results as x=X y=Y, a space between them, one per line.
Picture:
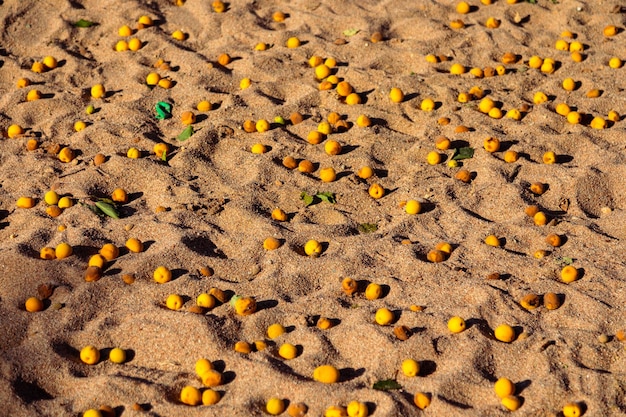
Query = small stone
x=603 y=338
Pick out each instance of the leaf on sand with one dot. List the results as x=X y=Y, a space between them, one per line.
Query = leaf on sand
x=463 y=153
x=186 y=134
x=368 y=227
x=351 y=32
x=308 y=199
x=327 y=197
x=387 y=385
x=82 y=23
x=164 y=110
x=564 y=260
x=108 y=209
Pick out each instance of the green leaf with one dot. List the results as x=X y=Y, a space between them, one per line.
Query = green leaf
x=387 y=385
x=108 y=209
x=463 y=153
x=351 y=32
x=164 y=156
x=327 y=197
x=186 y=134
x=308 y=199
x=163 y=109
x=367 y=227
x=565 y=260
x=82 y=23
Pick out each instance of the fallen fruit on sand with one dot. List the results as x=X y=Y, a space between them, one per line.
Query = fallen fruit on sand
x=244 y=306
x=328 y=174
x=504 y=387
x=279 y=215
x=63 y=250
x=396 y=95
x=210 y=397
x=530 y=301
x=205 y=300
x=384 y=316
x=410 y=367
x=572 y=410
x=162 y=275
x=504 y=333
x=292 y=42
x=109 y=251
x=25 y=202
x=92 y=412
x=313 y=248
x=190 y=395
x=33 y=304
x=456 y=324
x=492 y=240
x=569 y=274
x=93 y=273
x=511 y=402
x=47 y=253
x=436 y=256
x=90 y=355
x=373 y=291
x=491 y=145
x=357 y=409
x=243 y=347
x=174 y=302
x=271 y=243
x=203 y=365
x=551 y=301
x=365 y=172
x=422 y=400
x=376 y=191
x=326 y=374
x=14 y=131
x=66 y=155
x=211 y=378
x=287 y=351
x=134 y=245
x=275 y=330
x=117 y=355
x=297 y=410
x=98 y=91
x=349 y=286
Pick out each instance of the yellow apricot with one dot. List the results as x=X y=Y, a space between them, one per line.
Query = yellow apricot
x=271 y=243
x=504 y=333
x=47 y=253
x=412 y=207
x=491 y=144
x=535 y=62
x=134 y=44
x=134 y=245
x=376 y=191
x=344 y=88
x=117 y=355
x=549 y=157
x=457 y=69
x=328 y=174
x=38 y=67
x=63 y=250
x=162 y=275
x=262 y=125
x=365 y=172
x=187 y=117
x=133 y=153
x=540 y=97
x=211 y=378
x=561 y=45
x=203 y=365
x=223 y=59
x=572 y=410
x=33 y=304
x=569 y=274
x=326 y=374
x=190 y=395
x=293 y=42
x=218 y=6
x=53 y=211
x=258 y=148
x=279 y=215
x=436 y=256
x=153 y=78
x=495 y=113
x=422 y=400
x=97 y=260
x=287 y=351
x=349 y=286
x=33 y=95
x=324 y=324
x=410 y=367
x=485 y=105
x=548 y=67
x=456 y=324
x=576 y=46
x=109 y=251
x=569 y=84
x=615 y=63
x=396 y=95
x=598 y=123
x=373 y=291
x=90 y=355
x=593 y=93
x=25 y=202
x=179 y=35
x=511 y=402
x=577 y=56
x=14 y=131
x=428 y=104
x=204 y=106
x=384 y=316
x=98 y=91
x=279 y=16
x=613 y=116
x=433 y=158
x=457 y=24
x=205 y=300
x=609 y=31
x=363 y=121
x=332 y=147
x=430 y=58
x=125 y=31
x=563 y=109
x=306 y=166
x=146 y=21
x=66 y=155
x=492 y=23
x=540 y=218
x=275 y=406
x=504 y=387
x=574 y=117
x=353 y=99
x=514 y=114
x=492 y=240
x=313 y=248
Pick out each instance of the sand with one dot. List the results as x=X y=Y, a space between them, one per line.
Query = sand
x=218 y=198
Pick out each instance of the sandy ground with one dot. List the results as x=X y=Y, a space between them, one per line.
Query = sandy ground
x=218 y=198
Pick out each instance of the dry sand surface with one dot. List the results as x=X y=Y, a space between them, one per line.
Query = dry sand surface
x=218 y=197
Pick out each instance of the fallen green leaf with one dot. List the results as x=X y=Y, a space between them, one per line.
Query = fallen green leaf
x=367 y=227
x=351 y=32
x=565 y=260
x=387 y=385
x=327 y=197
x=186 y=134
x=463 y=153
x=164 y=156
x=308 y=199
x=82 y=23
x=108 y=209
x=164 y=110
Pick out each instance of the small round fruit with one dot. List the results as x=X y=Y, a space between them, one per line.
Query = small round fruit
x=51 y=197
x=63 y=250
x=190 y=395
x=134 y=245
x=66 y=155
x=98 y=91
x=373 y=291
x=376 y=191
x=313 y=248
x=491 y=144
x=410 y=367
x=456 y=324
x=97 y=260
x=33 y=304
x=287 y=351
x=279 y=215
x=436 y=256
x=258 y=148
x=275 y=330
x=384 y=316
x=396 y=95
x=275 y=406
x=569 y=274
x=203 y=365
x=572 y=410
x=326 y=374
x=210 y=397
x=271 y=243
x=109 y=251
x=412 y=207
x=211 y=378
x=174 y=302
x=492 y=240
x=421 y=400
x=90 y=355
x=14 y=131
x=117 y=355
x=504 y=333
x=511 y=402
x=92 y=412
x=162 y=275
x=433 y=158
x=504 y=387
x=511 y=156
x=205 y=300
x=357 y=409
x=332 y=147
x=365 y=172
